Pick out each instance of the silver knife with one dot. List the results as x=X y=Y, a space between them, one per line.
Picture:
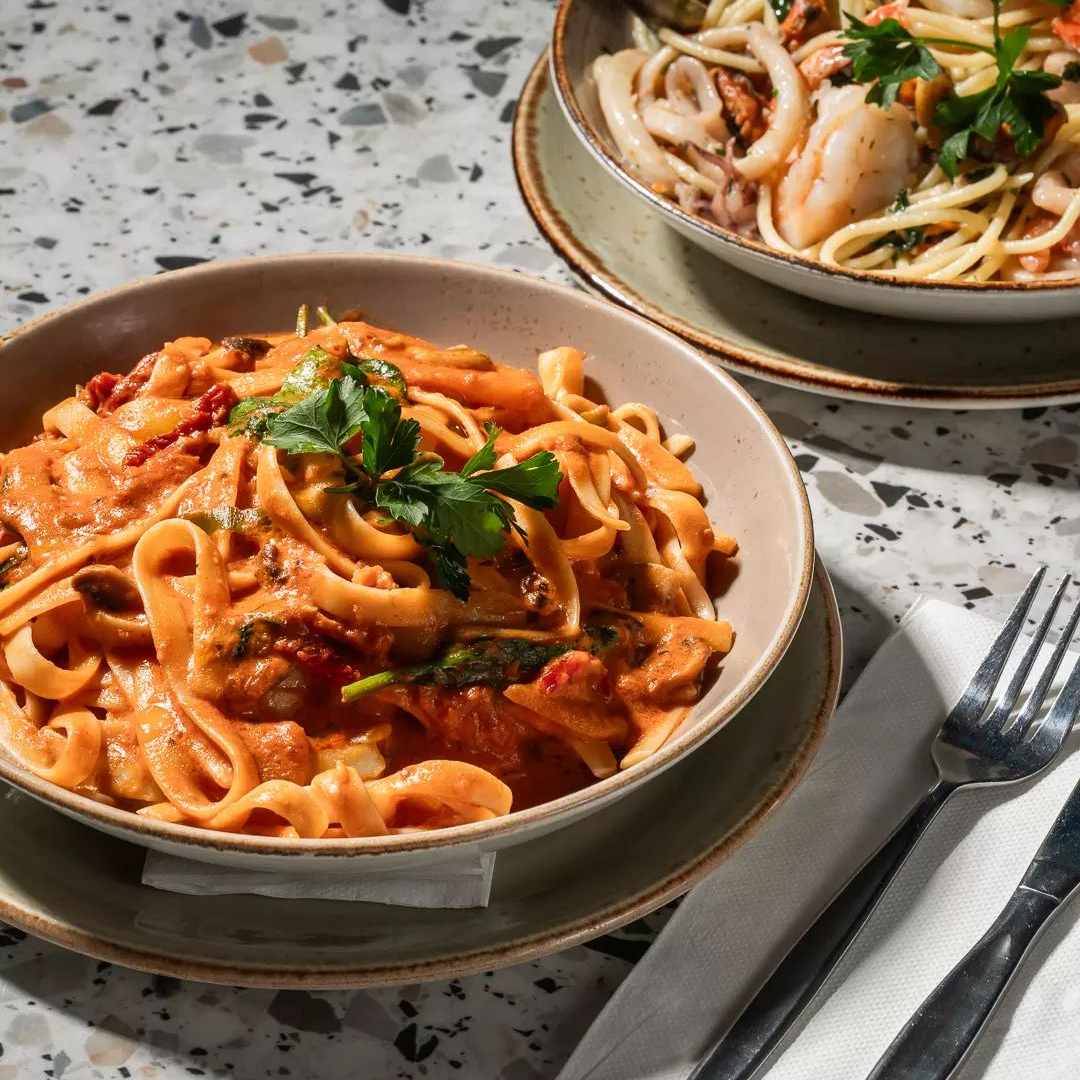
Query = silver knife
x=937 y=1038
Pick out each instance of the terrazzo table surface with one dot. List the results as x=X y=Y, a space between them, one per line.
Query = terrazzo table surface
x=141 y=137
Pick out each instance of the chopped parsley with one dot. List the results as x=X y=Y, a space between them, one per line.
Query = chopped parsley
x=889 y=55
x=454 y=514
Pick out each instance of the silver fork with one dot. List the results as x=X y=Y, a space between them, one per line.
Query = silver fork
x=970 y=748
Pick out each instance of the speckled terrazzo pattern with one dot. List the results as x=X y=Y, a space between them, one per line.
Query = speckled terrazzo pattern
x=143 y=137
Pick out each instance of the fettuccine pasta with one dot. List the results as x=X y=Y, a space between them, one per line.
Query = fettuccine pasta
x=486 y=590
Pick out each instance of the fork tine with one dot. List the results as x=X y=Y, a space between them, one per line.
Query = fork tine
x=976 y=697
x=1055 y=725
x=1004 y=706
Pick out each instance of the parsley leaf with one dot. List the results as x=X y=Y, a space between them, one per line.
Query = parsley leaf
x=484 y=458
x=889 y=54
x=450 y=570
x=1016 y=104
x=388 y=441
x=534 y=482
x=321 y=423
x=902 y=240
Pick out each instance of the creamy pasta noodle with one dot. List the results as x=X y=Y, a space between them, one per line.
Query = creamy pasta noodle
x=932 y=140
x=346 y=583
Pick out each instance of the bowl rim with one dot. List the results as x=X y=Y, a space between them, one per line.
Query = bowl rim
x=597 y=146
x=198 y=839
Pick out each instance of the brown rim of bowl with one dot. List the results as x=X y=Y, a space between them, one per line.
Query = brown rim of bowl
x=590 y=268
x=600 y=151
x=543 y=944
x=196 y=838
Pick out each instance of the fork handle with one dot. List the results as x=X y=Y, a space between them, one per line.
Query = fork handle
x=937 y=1038
x=745 y=1047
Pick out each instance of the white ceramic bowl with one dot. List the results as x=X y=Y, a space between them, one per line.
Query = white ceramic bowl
x=586 y=29
x=753 y=486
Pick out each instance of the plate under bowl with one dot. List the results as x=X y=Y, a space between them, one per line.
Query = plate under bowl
x=600 y=229
x=549 y=893
x=586 y=29
x=753 y=487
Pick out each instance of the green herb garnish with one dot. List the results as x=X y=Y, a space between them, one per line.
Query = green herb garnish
x=902 y=240
x=454 y=514
x=485 y=662
x=889 y=55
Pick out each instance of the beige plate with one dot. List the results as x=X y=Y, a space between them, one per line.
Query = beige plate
x=622 y=249
x=618 y=864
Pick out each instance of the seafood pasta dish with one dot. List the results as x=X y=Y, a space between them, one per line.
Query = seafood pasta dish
x=929 y=140
x=346 y=582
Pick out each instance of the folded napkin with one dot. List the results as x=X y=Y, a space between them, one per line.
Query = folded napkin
x=733 y=928
x=461 y=882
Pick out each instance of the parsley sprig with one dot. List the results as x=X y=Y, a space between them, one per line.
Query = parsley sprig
x=889 y=55
x=454 y=514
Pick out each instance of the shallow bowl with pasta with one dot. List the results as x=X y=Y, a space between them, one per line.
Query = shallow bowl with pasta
x=677 y=119
x=459 y=559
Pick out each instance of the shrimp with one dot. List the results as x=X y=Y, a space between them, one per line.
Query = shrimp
x=888 y=11
x=823 y=64
x=855 y=160
x=805 y=19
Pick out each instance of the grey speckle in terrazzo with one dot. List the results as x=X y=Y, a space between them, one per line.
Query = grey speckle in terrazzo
x=142 y=137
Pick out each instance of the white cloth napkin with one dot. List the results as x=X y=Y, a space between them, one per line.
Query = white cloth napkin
x=463 y=882
x=734 y=927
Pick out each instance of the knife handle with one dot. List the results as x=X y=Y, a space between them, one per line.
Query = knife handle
x=751 y=1040
x=936 y=1039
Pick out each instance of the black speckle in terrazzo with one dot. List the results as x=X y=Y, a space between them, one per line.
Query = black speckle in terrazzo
x=883 y=531
x=178 y=262
x=618 y=947
x=231 y=27
x=489 y=47
x=301 y=1010
x=889 y=494
x=106 y=107
x=414 y=1046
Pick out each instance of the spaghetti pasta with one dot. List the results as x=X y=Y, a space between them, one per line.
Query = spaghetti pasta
x=755 y=124
x=210 y=617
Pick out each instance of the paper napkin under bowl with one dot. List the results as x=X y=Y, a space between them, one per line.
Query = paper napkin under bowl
x=461 y=882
